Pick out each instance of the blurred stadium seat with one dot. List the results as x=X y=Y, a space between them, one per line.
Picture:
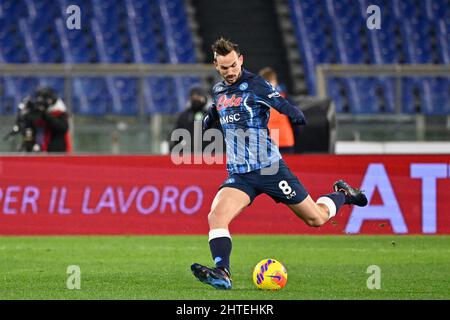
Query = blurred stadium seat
x=412 y=32
x=140 y=31
x=124 y=31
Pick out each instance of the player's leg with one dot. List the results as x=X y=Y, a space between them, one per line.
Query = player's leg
x=227 y=204
x=285 y=187
x=318 y=213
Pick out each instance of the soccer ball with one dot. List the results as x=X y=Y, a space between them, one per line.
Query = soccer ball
x=269 y=274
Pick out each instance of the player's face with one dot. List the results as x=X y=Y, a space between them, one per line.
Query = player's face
x=229 y=66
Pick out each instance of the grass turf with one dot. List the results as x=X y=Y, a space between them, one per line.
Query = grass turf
x=158 y=267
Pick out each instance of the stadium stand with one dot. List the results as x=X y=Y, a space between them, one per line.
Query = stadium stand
x=413 y=32
x=140 y=31
x=124 y=31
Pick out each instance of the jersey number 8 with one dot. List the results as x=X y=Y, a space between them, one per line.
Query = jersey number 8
x=285 y=188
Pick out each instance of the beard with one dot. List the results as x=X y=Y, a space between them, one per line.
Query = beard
x=232 y=79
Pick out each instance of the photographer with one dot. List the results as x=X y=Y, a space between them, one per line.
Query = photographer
x=27 y=116
x=42 y=120
x=54 y=119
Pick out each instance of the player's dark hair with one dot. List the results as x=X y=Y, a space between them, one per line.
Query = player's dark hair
x=222 y=47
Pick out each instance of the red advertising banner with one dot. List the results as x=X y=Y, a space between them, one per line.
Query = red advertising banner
x=63 y=195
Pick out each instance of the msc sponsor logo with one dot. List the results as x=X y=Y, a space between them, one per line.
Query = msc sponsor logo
x=230 y=118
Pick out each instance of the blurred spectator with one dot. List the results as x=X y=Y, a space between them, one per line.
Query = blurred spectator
x=277 y=120
x=53 y=125
x=42 y=121
x=195 y=111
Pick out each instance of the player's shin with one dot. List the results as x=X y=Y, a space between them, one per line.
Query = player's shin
x=220 y=245
x=333 y=201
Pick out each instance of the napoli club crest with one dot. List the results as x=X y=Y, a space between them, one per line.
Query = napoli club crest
x=243 y=86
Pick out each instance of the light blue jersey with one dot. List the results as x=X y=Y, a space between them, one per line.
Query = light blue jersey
x=243 y=110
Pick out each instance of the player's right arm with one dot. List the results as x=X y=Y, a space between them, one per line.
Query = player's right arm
x=210 y=118
x=213 y=115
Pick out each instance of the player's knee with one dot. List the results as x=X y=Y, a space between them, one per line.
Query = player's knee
x=216 y=217
x=211 y=217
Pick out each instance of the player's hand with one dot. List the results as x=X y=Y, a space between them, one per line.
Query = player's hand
x=210 y=118
x=300 y=120
x=206 y=124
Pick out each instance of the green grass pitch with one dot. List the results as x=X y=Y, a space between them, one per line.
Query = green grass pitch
x=158 y=267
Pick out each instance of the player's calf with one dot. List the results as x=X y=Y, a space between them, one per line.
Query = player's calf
x=312 y=213
x=343 y=194
x=319 y=220
x=315 y=223
x=331 y=203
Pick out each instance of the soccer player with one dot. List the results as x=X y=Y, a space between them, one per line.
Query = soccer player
x=241 y=102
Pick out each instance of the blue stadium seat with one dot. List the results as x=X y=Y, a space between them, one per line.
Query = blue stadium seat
x=336 y=92
x=412 y=95
x=430 y=96
x=56 y=83
x=127 y=90
x=443 y=44
x=123 y=31
x=161 y=89
x=369 y=102
x=439 y=89
x=178 y=42
x=91 y=96
x=335 y=32
x=15 y=8
x=385 y=91
x=157 y=31
x=8 y=102
x=12 y=42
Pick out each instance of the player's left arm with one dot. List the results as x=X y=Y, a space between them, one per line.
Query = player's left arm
x=269 y=96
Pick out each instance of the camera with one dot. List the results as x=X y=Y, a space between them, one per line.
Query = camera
x=42 y=123
x=29 y=112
